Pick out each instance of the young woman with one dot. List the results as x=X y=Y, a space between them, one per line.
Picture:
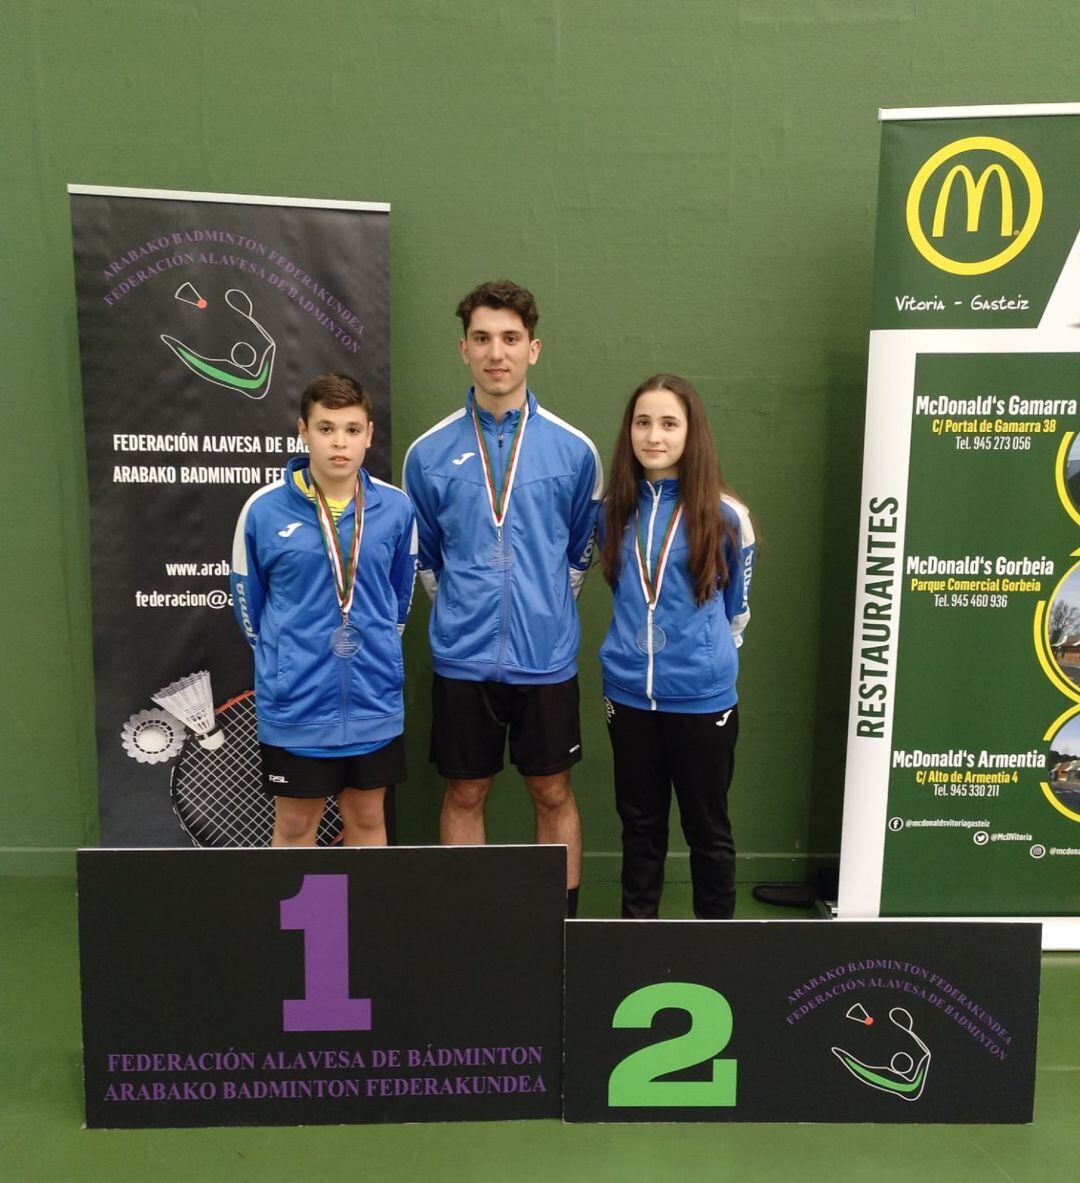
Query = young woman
x=323 y=567
x=678 y=551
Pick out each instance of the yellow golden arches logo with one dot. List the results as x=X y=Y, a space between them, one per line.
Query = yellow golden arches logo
x=974 y=190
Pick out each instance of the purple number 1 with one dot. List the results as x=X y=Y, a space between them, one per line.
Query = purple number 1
x=321 y=909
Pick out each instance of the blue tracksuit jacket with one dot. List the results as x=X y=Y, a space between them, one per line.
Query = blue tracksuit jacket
x=284 y=599
x=516 y=623
x=696 y=670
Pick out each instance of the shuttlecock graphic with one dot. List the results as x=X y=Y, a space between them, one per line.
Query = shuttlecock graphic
x=188 y=293
x=152 y=737
x=190 y=700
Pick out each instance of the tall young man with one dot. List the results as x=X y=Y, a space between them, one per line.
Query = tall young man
x=506 y=497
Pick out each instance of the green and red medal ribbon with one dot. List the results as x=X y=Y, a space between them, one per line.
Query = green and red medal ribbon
x=652 y=581
x=344 y=570
x=499 y=497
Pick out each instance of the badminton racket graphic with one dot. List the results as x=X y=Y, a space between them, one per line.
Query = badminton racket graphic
x=217 y=793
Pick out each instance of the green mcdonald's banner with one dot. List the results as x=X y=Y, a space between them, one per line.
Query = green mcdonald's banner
x=962 y=793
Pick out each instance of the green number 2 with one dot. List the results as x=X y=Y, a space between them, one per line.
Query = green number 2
x=633 y=1081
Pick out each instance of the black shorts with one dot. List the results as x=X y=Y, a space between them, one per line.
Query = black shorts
x=287 y=775
x=470 y=721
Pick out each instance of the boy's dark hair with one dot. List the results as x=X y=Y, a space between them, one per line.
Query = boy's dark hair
x=500 y=293
x=334 y=391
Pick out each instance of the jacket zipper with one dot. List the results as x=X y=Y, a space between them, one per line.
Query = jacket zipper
x=504 y=624
x=649 y=611
x=345 y=687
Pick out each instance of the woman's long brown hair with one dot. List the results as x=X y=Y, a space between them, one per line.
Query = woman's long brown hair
x=700 y=487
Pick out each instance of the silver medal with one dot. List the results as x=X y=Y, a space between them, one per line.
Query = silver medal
x=659 y=638
x=346 y=641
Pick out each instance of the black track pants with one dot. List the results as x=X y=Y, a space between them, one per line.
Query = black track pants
x=654 y=750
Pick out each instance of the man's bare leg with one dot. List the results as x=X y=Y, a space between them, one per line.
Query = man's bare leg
x=557 y=819
x=462 y=820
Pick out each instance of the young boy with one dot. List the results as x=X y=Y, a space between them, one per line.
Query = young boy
x=506 y=497
x=322 y=576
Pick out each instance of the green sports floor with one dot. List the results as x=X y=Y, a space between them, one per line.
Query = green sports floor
x=41 y=1134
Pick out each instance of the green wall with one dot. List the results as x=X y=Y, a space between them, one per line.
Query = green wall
x=685 y=186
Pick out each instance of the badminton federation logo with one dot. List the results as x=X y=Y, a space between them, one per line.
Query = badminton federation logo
x=953 y=189
x=903 y=1075
x=248 y=364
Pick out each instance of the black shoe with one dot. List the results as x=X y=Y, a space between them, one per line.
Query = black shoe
x=786 y=895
